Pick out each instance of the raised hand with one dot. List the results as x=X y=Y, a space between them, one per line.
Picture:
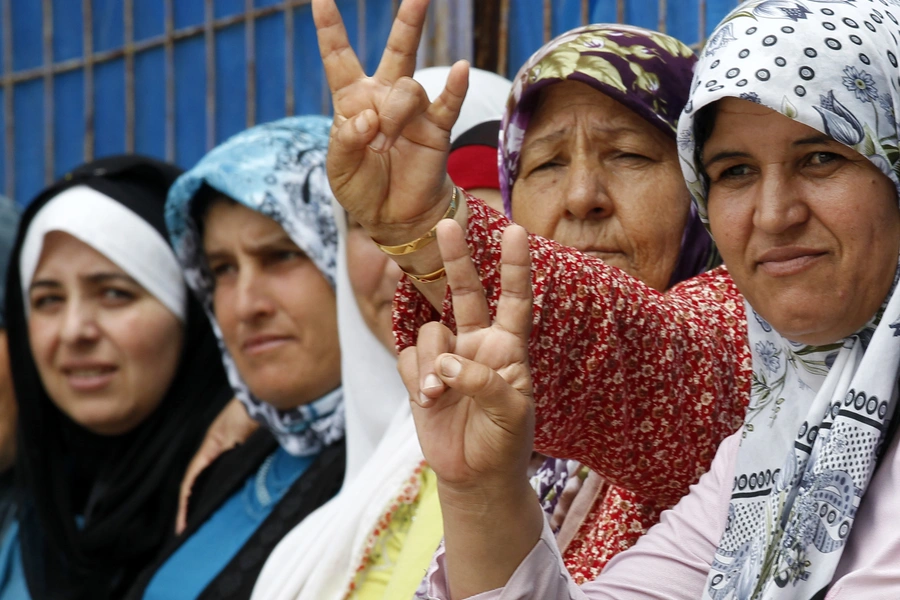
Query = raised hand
x=388 y=153
x=474 y=415
x=473 y=406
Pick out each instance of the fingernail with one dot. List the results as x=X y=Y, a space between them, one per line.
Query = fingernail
x=450 y=367
x=362 y=124
x=424 y=400
x=431 y=381
x=379 y=142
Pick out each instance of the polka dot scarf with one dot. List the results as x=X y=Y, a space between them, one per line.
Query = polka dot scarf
x=817 y=417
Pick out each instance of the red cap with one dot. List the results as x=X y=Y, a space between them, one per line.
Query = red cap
x=472 y=167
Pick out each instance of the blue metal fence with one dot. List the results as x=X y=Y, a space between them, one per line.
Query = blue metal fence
x=171 y=78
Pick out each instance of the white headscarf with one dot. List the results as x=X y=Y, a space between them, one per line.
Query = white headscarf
x=100 y=222
x=818 y=415
x=485 y=100
x=316 y=561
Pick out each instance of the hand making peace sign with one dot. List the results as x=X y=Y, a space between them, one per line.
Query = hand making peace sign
x=388 y=153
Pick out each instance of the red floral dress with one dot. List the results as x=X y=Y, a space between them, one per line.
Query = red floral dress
x=638 y=385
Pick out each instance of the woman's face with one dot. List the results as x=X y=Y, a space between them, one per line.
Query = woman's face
x=276 y=310
x=374 y=278
x=597 y=177
x=106 y=350
x=809 y=229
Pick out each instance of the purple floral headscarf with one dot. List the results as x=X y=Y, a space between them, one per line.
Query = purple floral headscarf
x=647 y=71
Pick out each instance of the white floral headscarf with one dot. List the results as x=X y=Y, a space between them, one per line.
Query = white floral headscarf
x=817 y=417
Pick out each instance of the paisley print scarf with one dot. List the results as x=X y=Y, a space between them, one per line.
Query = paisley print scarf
x=277 y=169
x=818 y=416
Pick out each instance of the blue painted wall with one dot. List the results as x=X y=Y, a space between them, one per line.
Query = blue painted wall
x=67 y=122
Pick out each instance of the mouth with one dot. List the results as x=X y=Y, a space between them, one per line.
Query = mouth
x=783 y=262
x=264 y=343
x=89 y=378
x=601 y=253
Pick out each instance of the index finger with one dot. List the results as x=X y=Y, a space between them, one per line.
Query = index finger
x=342 y=66
x=399 y=58
x=469 y=303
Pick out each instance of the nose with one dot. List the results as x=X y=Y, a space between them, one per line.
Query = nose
x=79 y=323
x=253 y=300
x=587 y=197
x=780 y=203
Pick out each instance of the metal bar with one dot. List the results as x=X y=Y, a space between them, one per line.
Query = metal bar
x=128 y=7
x=8 y=118
x=395 y=6
x=47 y=8
x=210 y=40
x=663 y=16
x=701 y=19
x=503 y=38
x=620 y=11
x=548 y=21
x=88 y=54
x=250 y=50
x=169 y=44
x=146 y=44
x=289 y=100
x=585 y=12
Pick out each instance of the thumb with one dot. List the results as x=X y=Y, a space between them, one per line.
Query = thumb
x=487 y=387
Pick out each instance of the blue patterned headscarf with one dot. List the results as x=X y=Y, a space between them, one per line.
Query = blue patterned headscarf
x=9 y=223
x=278 y=170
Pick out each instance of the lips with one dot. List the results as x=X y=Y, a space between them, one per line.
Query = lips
x=89 y=377
x=259 y=344
x=789 y=260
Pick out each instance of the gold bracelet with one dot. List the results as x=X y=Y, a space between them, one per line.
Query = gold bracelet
x=416 y=245
x=428 y=277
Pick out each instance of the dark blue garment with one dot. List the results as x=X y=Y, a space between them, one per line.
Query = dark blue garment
x=203 y=556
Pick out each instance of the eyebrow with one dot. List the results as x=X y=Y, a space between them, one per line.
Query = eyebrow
x=609 y=132
x=727 y=154
x=93 y=278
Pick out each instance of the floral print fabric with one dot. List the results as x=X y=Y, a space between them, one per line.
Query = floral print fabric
x=612 y=362
x=278 y=170
x=817 y=415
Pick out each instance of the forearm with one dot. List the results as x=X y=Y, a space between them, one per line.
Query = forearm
x=487 y=536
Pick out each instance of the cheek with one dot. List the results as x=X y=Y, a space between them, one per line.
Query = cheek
x=312 y=312
x=224 y=310
x=150 y=339
x=538 y=204
x=652 y=209
x=43 y=333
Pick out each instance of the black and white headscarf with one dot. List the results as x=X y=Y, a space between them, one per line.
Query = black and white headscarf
x=818 y=416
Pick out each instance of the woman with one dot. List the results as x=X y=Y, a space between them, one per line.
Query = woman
x=376 y=538
x=796 y=172
x=668 y=373
x=117 y=376
x=252 y=225
x=610 y=186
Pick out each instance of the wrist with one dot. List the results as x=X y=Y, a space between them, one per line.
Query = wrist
x=396 y=233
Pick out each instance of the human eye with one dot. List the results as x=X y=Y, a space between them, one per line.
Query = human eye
x=46 y=302
x=822 y=158
x=222 y=269
x=734 y=172
x=115 y=296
